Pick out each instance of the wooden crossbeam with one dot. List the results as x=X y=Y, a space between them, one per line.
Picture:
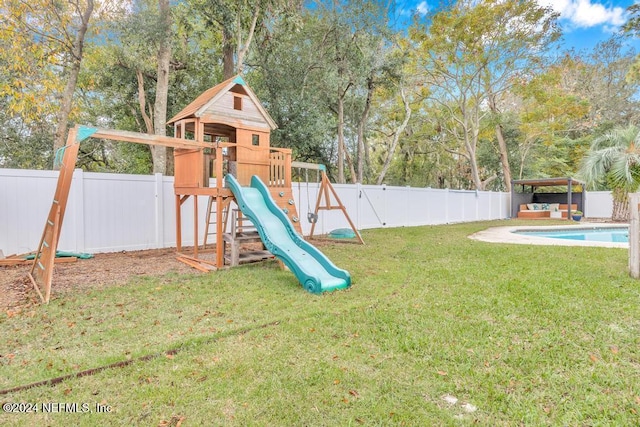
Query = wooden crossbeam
x=197 y=263
x=20 y=261
x=144 y=138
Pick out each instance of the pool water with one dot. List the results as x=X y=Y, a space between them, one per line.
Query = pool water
x=614 y=235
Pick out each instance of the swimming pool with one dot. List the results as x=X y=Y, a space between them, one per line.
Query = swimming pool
x=584 y=234
x=608 y=234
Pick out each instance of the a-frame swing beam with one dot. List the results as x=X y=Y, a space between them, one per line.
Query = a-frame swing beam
x=325 y=192
x=143 y=138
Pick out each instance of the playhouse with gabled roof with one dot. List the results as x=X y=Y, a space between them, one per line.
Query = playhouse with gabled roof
x=228 y=113
x=228 y=116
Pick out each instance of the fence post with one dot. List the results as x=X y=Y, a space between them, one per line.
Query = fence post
x=634 y=235
x=358 y=201
x=385 y=222
x=446 y=206
x=78 y=193
x=159 y=207
x=407 y=205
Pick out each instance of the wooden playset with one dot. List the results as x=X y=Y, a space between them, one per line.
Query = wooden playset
x=223 y=131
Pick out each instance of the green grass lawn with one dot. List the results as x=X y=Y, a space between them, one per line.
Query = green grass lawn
x=437 y=329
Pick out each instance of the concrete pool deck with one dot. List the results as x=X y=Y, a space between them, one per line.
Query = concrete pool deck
x=507 y=235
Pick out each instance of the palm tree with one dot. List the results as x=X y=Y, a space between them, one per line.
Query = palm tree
x=613 y=161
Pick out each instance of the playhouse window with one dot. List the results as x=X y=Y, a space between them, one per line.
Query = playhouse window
x=237 y=103
x=255 y=139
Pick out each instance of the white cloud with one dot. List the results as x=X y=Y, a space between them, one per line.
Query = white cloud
x=410 y=8
x=587 y=13
x=422 y=8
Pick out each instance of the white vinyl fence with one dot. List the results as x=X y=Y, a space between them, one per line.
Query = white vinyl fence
x=599 y=204
x=115 y=212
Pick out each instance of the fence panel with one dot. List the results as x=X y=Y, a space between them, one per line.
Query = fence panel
x=599 y=204
x=397 y=207
x=25 y=200
x=114 y=212
x=119 y=212
x=372 y=204
x=418 y=206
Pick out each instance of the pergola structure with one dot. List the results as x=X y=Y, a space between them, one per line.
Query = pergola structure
x=569 y=196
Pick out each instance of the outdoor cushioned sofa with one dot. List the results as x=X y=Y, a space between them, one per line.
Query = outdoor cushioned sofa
x=545 y=210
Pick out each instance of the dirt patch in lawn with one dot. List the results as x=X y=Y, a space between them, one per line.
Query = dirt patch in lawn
x=108 y=269
x=101 y=270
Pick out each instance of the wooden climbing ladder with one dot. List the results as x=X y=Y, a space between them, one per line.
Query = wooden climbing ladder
x=42 y=267
x=209 y=222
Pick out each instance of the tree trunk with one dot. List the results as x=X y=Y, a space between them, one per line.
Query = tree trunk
x=620 y=205
x=470 y=146
x=361 y=126
x=396 y=137
x=142 y=104
x=242 y=50
x=228 y=63
x=74 y=69
x=159 y=153
x=503 y=152
x=504 y=158
x=340 y=138
x=352 y=170
x=475 y=175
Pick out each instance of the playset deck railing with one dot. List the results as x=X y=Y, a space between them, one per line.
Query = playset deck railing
x=280 y=167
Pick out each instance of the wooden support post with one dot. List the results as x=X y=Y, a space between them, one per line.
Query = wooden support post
x=324 y=190
x=195 y=226
x=219 y=234
x=634 y=235
x=219 y=200
x=287 y=169
x=178 y=224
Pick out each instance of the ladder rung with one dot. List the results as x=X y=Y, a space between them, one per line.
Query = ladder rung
x=50 y=222
x=55 y=202
x=40 y=265
x=45 y=244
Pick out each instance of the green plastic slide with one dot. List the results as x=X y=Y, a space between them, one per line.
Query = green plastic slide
x=311 y=267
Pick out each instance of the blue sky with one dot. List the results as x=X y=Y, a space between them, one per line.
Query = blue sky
x=584 y=22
